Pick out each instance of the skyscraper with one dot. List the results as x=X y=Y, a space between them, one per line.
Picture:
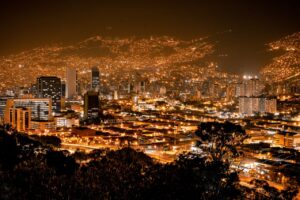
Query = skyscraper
x=3 y=101
x=230 y=92
x=40 y=109
x=252 y=105
x=251 y=86
x=251 y=100
x=20 y=118
x=91 y=105
x=71 y=83
x=50 y=87
x=63 y=88
x=95 y=79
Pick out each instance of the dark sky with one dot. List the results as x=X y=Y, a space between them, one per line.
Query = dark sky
x=26 y=24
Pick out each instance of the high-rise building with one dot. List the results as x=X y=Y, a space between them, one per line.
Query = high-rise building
x=3 y=101
x=63 y=88
x=71 y=83
x=230 y=92
x=95 y=79
x=245 y=105
x=251 y=105
x=91 y=105
x=251 y=100
x=251 y=86
x=40 y=108
x=50 y=87
x=20 y=118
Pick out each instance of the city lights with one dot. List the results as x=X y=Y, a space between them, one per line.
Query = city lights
x=149 y=100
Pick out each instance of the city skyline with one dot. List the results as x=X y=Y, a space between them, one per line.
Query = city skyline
x=149 y=99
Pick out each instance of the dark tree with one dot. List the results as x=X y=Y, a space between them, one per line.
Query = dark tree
x=48 y=140
x=8 y=151
x=61 y=163
x=220 y=140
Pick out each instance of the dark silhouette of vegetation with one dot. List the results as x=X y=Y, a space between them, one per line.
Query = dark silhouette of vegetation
x=61 y=163
x=48 y=140
x=220 y=140
x=31 y=170
x=8 y=151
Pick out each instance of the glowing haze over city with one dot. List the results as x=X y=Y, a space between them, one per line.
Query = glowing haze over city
x=149 y=99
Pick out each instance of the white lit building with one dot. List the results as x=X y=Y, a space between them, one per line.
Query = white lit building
x=65 y=122
x=251 y=105
x=250 y=86
x=41 y=108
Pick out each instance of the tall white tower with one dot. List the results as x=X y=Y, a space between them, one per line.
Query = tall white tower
x=71 y=82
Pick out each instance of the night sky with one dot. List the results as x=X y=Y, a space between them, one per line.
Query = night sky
x=242 y=28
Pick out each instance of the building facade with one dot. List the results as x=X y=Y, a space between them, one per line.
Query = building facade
x=50 y=87
x=95 y=79
x=20 y=118
x=91 y=105
x=252 y=105
x=41 y=109
x=71 y=83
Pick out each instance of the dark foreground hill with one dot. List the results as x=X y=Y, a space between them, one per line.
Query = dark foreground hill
x=32 y=170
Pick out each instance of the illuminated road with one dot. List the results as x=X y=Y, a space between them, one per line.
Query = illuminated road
x=68 y=146
x=161 y=157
